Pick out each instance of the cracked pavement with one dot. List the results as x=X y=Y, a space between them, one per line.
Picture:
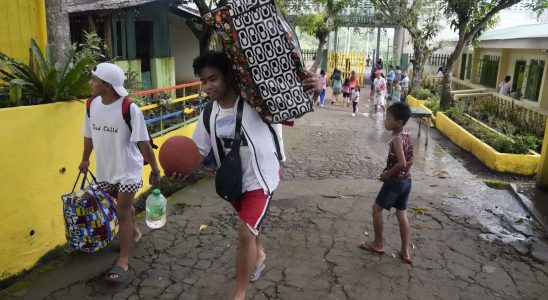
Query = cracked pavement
x=469 y=241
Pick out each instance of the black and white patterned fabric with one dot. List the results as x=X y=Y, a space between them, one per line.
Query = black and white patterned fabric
x=114 y=189
x=272 y=53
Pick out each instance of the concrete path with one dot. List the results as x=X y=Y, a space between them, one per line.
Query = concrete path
x=469 y=241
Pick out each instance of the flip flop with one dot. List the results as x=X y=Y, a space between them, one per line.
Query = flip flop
x=366 y=246
x=117 y=270
x=257 y=273
x=408 y=260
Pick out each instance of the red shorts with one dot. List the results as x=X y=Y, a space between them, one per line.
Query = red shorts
x=252 y=208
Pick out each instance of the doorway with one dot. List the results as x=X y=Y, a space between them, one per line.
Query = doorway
x=144 y=50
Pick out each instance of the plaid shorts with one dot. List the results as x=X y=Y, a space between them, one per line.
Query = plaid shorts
x=113 y=189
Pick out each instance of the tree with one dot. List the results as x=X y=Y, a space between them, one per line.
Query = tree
x=470 y=18
x=317 y=18
x=58 y=27
x=421 y=19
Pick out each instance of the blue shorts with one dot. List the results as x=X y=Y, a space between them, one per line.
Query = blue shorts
x=394 y=193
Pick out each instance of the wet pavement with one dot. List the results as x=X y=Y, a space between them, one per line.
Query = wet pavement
x=469 y=241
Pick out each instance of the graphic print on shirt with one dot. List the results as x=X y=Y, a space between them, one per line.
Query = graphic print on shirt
x=226 y=127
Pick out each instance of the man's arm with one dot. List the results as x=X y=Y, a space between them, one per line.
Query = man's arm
x=148 y=155
x=88 y=148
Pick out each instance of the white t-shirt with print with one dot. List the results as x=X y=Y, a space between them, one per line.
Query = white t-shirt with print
x=118 y=159
x=225 y=128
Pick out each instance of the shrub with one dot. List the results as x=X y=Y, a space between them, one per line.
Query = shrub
x=49 y=81
x=433 y=103
x=421 y=93
x=519 y=144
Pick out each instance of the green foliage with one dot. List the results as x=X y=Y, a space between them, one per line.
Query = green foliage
x=46 y=82
x=433 y=103
x=421 y=93
x=422 y=19
x=93 y=47
x=519 y=143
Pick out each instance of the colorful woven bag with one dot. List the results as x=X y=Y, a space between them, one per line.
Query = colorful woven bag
x=90 y=216
x=265 y=56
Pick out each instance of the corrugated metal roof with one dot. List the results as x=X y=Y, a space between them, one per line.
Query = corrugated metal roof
x=90 y=5
x=531 y=31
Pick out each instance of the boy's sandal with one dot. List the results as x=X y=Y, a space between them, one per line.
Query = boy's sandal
x=117 y=270
x=368 y=247
x=256 y=274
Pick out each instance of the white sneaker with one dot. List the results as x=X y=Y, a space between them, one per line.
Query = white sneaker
x=353 y=114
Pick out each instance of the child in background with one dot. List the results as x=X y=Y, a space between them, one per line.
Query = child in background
x=379 y=98
x=404 y=85
x=324 y=86
x=397 y=181
x=346 y=92
x=336 y=82
x=396 y=93
x=355 y=100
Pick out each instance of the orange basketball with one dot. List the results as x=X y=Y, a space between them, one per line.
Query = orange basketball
x=179 y=154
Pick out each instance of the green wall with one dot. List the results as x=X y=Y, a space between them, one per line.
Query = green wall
x=163 y=73
x=123 y=29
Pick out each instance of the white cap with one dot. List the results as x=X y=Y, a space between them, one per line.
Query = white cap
x=112 y=74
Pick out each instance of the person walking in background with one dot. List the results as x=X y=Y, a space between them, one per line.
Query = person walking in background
x=398 y=74
x=354 y=80
x=346 y=92
x=336 y=84
x=323 y=79
x=397 y=181
x=396 y=92
x=440 y=72
x=404 y=85
x=355 y=99
x=504 y=87
x=379 y=99
x=389 y=80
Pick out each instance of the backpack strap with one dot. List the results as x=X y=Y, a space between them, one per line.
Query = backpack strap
x=276 y=141
x=126 y=112
x=207 y=115
x=88 y=105
x=206 y=119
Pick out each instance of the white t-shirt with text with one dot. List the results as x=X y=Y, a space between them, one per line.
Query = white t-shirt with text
x=225 y=128
x=117 y=155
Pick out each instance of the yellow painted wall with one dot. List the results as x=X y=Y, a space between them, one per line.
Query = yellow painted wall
x=525 y=164
x=542 y=175
x=20 y=20
x=37 y=142
x=413 y=102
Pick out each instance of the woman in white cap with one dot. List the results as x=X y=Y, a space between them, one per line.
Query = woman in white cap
x=120 y=146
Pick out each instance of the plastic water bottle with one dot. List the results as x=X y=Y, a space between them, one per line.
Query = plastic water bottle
x=156 y=209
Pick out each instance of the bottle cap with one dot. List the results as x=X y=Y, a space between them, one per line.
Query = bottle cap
x=156 y=192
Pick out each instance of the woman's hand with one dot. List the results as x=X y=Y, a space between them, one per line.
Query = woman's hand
x=312 y=85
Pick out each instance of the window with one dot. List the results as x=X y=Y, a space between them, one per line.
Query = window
x=517 y=79
x=487 y=69
x=534 y=79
